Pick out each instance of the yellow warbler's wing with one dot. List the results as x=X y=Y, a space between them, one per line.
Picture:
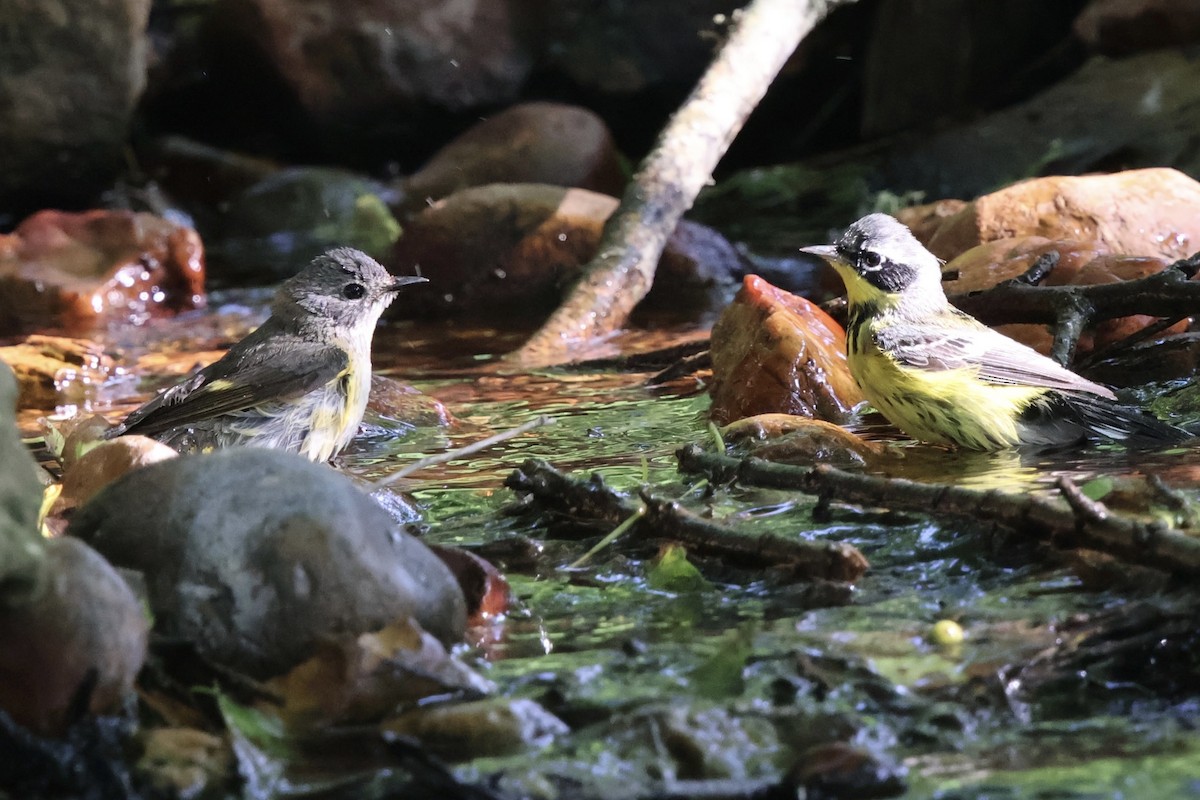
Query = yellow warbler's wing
x=957 y=341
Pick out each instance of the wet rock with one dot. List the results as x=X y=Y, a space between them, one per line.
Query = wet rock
x=21 y=548
x=255 y=555
x=485 y=588
x=549 y=143
x=79 y=270
x=511 y=249
x=925 y=219
x=774 y=352
x=1148 y=212
x=794 y=439
x=103 y=464
x=402 y=403
x=275 y=227
x=1079 y=263
x=349 y=64
x=54 y=370
x=1121 y=27
x=71 y=73
x=82 y=631
x=493 y=727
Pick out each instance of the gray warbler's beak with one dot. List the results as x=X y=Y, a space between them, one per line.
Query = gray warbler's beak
x=825 y=251
x=405 y=280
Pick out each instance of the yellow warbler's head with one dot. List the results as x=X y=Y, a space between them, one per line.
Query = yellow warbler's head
x=880 y=260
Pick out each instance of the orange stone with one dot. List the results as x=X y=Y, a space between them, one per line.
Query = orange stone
x=774 y=352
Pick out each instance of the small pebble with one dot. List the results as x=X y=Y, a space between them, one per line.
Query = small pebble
x=946 y=632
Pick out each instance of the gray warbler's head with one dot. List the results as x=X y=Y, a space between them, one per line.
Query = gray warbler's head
x=877 y=255
x=342 y=289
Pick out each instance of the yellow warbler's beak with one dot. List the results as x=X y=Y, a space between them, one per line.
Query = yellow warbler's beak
x=825 y=251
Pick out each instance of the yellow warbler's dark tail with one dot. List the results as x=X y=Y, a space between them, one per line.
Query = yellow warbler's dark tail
x=1059 y=417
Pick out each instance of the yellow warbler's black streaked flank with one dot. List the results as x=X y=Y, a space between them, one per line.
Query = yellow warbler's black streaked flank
x=297 y=383
x=944 y=377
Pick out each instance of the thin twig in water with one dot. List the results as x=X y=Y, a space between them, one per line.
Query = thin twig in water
x=470 y=449
x=592 y=500
x=611 y=537
x=1073 y=521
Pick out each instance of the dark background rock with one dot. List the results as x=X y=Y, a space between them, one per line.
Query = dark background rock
x=928 y=61
x=510 y=249
x=380 y=86
x=254 y=555
x=550 y=143
x=71 y=73
x=1121 y=27
x=271 y=230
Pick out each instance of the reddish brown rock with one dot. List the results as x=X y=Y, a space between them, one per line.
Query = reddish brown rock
x=774 y=352
x=793 y=439
x=54 y=370
x=511 y=249
x=1080 y=263
x=924 y=220
x=85 y=622
x=1145 y=212
x=1121 y=27
x=73 y=270
x=485 y=588
x=550 y=143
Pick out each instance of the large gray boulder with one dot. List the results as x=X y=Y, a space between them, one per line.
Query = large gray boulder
x=254 y=555
x=20 y=499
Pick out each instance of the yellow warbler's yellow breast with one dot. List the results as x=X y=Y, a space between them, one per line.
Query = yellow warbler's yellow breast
x=943 y=406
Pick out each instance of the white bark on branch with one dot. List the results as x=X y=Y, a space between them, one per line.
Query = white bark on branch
x=766 y=32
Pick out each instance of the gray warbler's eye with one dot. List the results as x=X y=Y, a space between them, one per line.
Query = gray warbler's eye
x=353 y=291
x=871 y=260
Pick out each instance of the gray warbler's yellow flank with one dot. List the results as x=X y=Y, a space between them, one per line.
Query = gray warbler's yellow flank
x=944 y=377
x=299 y=382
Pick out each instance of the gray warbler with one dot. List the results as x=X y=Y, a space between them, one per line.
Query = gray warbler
x=299 y=382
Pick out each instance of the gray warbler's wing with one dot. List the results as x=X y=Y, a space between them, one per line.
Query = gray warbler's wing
x=250 y=374
x=957 y=341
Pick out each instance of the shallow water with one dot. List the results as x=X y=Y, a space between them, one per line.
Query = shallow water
x=738 y=660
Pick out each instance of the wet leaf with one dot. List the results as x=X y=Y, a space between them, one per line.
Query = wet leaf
x=260 y=745
x=1097 y=488
x=672 y=572
x=364 y=679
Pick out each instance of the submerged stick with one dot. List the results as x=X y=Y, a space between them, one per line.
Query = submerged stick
x=670 y=177
x=466 y=450
x=592 y=500
x=1074 y=521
